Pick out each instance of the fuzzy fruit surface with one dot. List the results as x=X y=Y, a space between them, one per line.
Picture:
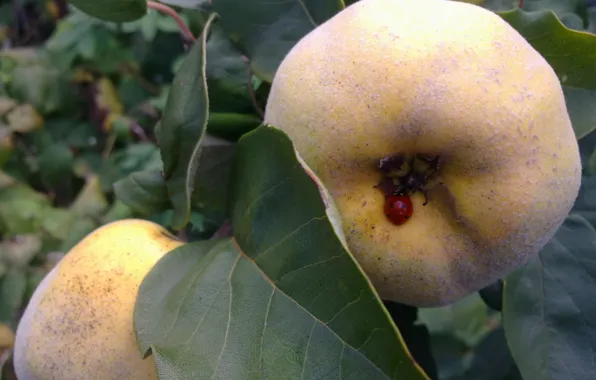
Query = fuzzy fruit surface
x=79 y=321
x=432 y=77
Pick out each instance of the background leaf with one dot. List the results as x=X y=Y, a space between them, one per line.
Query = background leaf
x=572 y=54
x=12 y=290
x=549 y=306
x=227 y=71
x=144 y=191
x=267 y=30
x=113 y=10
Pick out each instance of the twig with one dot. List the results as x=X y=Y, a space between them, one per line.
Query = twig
x=253 y=96
x=173 y=14
x=138 y=131
x=183 y=235
x=225 y=230
x=521 y=3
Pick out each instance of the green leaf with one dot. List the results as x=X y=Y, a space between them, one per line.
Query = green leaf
x=73 y=133
x=20 y=250
x=183 y=127
x=228 y=74
x=145 y=192
x=12 y=291
x=491 y=359
x=133 y=158
x=572 y=54
x=466 y=319
x=149 y=25
x=557 y=6
x=548 y=307
x=56 y=162
x=581 y=105
x=283 y=299
x=212 y=179
x=58 y=221
x=113 y=10
x=447 y=352
x=136 y=157
x=118 y=211
x=22 y=209
x=79 y=230
x=167 y=24
x=267 y=30
x=585 y=203
x=231 y=126
x=42 y=85
x=90 y=201
x=192 y=4
x=69 y=32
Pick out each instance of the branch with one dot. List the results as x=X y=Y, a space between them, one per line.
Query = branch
x=225 y=230
x=173 y=14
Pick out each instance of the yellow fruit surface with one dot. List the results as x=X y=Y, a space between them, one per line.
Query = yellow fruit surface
x=442 y=78
x=79 y=322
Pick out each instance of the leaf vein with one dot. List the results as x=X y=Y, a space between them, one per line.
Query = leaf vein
x=307 y=266
x=223 y=348
x=264 y=329
x=345 y=307
x=288 y=235
x=312 y=330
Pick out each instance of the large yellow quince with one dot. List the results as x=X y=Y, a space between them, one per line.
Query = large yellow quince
x=79 y=321
x=452 y=90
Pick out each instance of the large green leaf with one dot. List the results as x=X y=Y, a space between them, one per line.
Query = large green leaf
x=549 y=308
x=183 y=127
x=267 y=30
x=282 y=299
x=113 y=10
x=571 y=53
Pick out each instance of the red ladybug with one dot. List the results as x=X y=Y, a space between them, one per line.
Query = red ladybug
x=398 y=208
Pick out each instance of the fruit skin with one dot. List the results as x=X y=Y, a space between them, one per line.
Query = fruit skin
x=79 y=321
x=387 y=77
x=398 y=209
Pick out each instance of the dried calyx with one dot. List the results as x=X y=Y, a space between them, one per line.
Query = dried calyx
x=404 y=174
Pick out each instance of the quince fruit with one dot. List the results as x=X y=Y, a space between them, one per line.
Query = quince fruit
x=445 y=103
x=79 y=321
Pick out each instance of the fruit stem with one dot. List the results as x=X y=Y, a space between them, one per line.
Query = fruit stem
x=186 y=33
